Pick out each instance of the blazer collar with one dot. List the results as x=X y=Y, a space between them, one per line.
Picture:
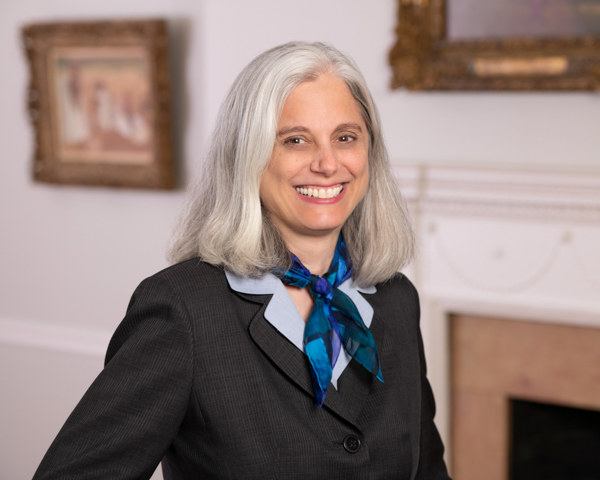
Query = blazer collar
x=281 y=311
x=268 y=282
x=284 y=316
x=354 y=382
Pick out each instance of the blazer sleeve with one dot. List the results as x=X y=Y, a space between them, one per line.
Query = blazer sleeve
x=127 y=419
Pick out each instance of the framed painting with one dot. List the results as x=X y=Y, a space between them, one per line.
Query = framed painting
x=497 y=45
x=99 y=103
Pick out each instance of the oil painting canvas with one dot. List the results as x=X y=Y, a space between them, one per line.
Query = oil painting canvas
x=103 y=105
x=476 y=19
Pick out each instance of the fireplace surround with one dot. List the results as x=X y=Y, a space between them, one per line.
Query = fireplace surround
x=497 y=360
x=516 y=247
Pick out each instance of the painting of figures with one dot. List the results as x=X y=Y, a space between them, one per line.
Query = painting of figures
x=99 y=101
x=477 y=19
x=102 y=104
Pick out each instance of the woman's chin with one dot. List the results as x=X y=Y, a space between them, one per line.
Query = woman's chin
x=322 y=229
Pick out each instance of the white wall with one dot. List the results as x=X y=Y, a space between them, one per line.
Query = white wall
x=70 y=257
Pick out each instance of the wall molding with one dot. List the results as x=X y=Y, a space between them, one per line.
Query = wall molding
x=61 y=339
x=502 y=191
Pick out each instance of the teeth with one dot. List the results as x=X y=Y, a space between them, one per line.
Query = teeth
x=320 y=192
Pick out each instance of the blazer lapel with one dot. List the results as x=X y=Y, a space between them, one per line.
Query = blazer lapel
x=282 y=352
x=354 y=384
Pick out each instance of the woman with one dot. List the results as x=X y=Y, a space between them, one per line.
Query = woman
x=281 y=343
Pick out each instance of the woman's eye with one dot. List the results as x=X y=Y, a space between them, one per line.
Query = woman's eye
x=346 y=138
x=295 y=141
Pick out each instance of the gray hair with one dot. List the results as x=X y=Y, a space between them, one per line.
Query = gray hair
x=223 y=221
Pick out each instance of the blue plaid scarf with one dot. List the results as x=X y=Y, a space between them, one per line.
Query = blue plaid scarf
x=333 y=322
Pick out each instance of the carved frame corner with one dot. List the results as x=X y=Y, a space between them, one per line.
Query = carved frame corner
x=424 y=59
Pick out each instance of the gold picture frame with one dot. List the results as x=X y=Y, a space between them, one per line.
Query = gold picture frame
x=99 y=103
x=426 y=57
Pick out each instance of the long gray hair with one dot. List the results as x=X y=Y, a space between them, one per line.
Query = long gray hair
x=223 y=221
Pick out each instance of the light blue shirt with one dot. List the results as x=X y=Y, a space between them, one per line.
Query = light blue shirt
x=281 y=312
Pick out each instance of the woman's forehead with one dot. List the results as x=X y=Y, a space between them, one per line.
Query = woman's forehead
x=325 y=100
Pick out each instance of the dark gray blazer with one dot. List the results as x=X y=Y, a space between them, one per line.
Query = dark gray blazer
x=197 y=377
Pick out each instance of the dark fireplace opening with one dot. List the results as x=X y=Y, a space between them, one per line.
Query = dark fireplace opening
x=551 y=442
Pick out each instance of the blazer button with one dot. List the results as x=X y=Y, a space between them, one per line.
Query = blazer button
x=351 y=444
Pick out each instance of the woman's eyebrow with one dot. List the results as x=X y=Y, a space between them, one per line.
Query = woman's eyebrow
x=349 y=126
x=286 y=130
x=342 y=126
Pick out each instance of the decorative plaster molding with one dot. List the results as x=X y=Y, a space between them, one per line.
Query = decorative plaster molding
x=571 y=195
x=56 y=338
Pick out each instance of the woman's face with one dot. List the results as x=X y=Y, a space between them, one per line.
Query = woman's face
x=319 y=167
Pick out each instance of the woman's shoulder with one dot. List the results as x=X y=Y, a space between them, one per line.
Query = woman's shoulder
x=193 y=272
x=395 y=295
x=190 y=281
x=399 y=284
x=173 y=296
x=189 y=268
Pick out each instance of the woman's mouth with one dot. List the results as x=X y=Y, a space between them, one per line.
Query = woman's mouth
x=316 y=192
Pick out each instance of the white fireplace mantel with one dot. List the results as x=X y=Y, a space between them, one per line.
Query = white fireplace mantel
x=501 y=241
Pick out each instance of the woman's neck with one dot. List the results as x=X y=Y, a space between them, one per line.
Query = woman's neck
x=315 y=252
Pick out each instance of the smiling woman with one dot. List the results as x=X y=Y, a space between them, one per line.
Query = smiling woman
x=262 y=352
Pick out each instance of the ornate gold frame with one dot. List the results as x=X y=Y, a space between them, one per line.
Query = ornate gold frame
x=147 y=36
x=423 y=59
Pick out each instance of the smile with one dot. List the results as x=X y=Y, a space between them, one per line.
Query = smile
x=314 y=192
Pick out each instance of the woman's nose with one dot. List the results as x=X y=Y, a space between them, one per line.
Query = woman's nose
x=326 y=161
